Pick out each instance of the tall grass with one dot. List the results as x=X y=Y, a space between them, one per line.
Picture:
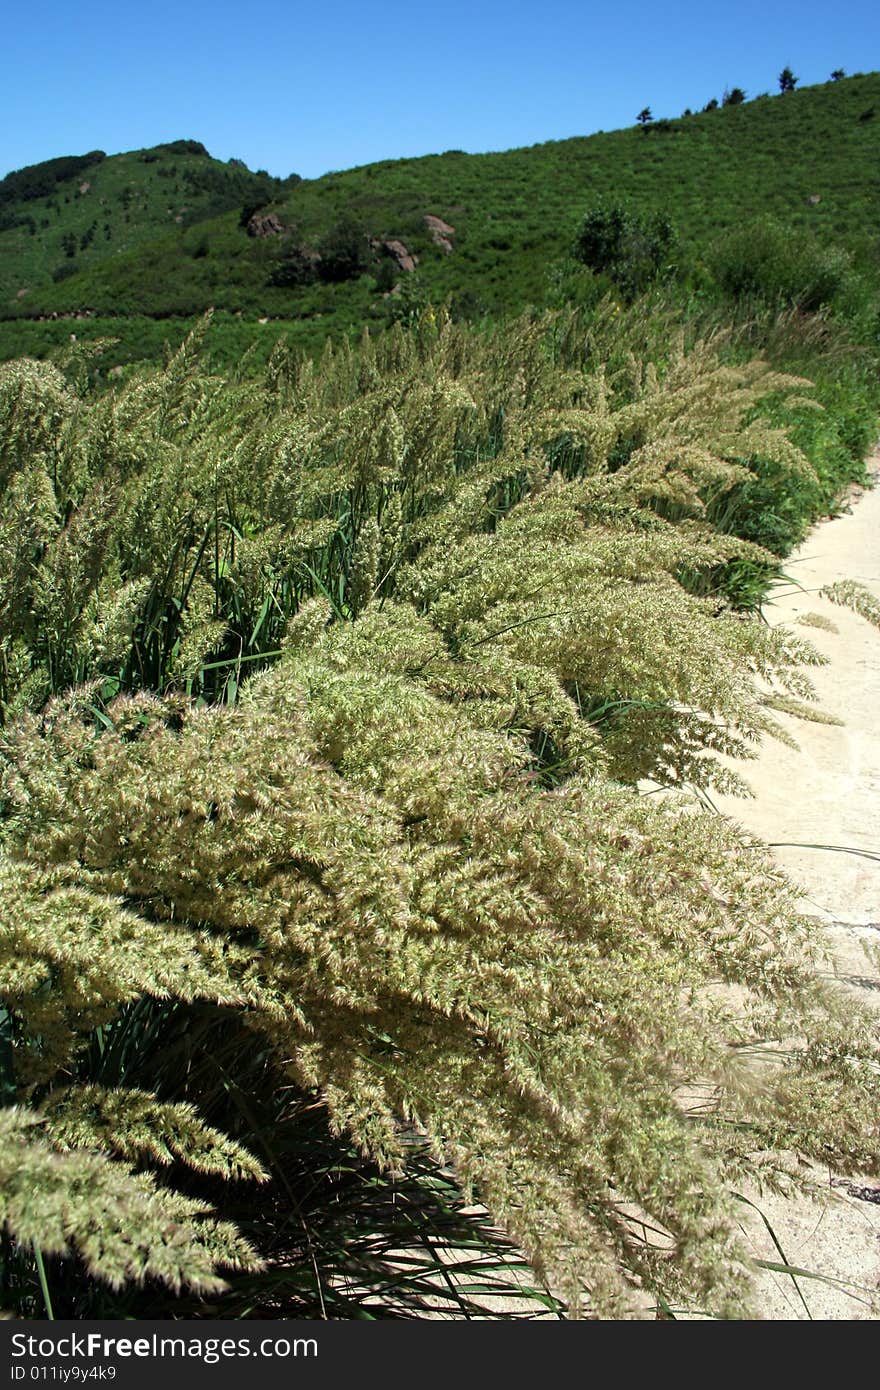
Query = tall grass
x=329 y=904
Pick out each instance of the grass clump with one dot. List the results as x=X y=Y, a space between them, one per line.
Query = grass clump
x=325 y=697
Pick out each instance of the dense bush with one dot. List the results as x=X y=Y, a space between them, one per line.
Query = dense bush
x=631 y=247
x=344 y=252
x=297 y=267
x=229 y=187
x=184 y=147
x=765 y=259
x=64 y=271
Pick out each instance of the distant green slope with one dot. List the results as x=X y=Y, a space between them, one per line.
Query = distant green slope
x=68 y=215
x=167 y=237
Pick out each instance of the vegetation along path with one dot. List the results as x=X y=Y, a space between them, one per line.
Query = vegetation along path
x=818 y=805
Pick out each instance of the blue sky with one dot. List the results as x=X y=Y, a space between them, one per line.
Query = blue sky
x=304 y=88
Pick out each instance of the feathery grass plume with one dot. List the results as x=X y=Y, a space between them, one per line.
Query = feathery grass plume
x=340 y=1238
x=27 y=524
x=850 y=594
x=131 y=1123
x=121 y=1225
x=818 y=620
x=665 y=678
x=800 y=709
x=113 y=616
x=34 y=401
x=70 y=957
x=265 y=497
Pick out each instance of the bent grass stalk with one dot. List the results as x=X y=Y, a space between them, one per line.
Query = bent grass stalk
x=408 y=857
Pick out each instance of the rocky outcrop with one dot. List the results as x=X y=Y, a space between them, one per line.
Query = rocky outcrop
x=399 y=253
x=439 y=231
x=263 y=224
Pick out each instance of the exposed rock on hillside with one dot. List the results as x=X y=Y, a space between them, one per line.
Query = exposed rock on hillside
x=263 y=224
x=397 y=251
x=439 y=231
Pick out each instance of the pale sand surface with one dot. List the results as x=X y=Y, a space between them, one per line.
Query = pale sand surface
x=827 y=792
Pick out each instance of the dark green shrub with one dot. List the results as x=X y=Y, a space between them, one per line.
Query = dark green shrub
x=247 y=212
x=344 y=253
x=633 y=249
x=386 y=276
x=409 y=302
x=297 y=268
x=184 y=147
x=227 y=187
x=766 y=260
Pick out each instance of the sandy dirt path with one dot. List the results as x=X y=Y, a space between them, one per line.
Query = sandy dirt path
x=827 y=793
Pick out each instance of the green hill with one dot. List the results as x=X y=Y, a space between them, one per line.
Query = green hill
x=61 y=219
x=162 y=234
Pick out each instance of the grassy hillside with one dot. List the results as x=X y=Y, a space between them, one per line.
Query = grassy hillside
x=168 y=238
x=62 y=218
